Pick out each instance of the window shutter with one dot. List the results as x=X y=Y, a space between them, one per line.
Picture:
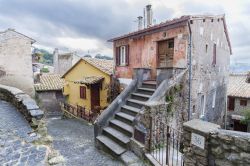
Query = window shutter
x=82 y=92
x=127 y=55
x=117 y=56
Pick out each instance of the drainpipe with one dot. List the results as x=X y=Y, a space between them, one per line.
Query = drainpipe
x=189 y=70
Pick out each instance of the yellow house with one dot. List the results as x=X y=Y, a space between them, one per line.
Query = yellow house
x=87 y=83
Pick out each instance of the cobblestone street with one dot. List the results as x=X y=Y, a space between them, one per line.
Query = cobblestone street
x=75 y=141
x=15 y=146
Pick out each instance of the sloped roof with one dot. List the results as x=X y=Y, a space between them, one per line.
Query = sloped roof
x=13 y=30
x=174 y=23
x=106 y=66
x=238 y=87
x=49 y=82
x=89 y=80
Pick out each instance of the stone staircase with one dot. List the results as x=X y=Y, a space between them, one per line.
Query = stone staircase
x=116 y=136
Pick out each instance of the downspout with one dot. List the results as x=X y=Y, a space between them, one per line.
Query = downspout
x=189 y=70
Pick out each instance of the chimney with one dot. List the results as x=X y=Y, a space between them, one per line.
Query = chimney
x=149 y=15
x=140 y=22
x=55 y=61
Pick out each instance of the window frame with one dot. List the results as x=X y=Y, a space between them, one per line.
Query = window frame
x=202 y=105
x=243 y=102
x=123 y=52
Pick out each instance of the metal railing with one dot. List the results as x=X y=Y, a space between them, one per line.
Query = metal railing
x=80 y=112
x=165 y=144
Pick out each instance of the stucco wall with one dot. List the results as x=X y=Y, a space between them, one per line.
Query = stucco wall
x=50 y=102
x=143 y=51
x=16 y=61
x=83 y=69
x=208 y=79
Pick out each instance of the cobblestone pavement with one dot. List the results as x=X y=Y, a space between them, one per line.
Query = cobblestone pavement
x=75 y=141
x=15 y=146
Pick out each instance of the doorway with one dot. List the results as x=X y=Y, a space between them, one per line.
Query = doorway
x=95 y=95
x=166 y=53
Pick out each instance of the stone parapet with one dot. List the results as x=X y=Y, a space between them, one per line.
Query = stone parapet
x=23 y=102
x=206 y=144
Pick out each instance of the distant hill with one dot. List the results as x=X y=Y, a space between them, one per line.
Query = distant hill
x=239 y=67
x=45 y=56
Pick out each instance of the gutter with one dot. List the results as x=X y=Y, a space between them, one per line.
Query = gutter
x=189 y=70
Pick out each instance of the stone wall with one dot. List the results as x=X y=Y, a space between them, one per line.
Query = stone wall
x=16 y=61
x=206 y=144
x=23 y=102
x=50 y=102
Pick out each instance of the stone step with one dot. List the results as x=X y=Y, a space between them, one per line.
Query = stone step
x=149 y=84
x=119 y=136
x=146 y=91
x=130 y=110
x=111 y=145
x=123 y=127
x=125 y=117
x=135 y=103
x=140 y=96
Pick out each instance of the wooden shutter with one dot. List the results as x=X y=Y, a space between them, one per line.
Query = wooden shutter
x=82 y=92
x=127 y=55
x=117 y=55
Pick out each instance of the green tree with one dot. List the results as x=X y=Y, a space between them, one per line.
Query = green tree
x=246 y=114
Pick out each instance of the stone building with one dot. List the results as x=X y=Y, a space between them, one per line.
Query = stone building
x=64 y=61
x=16 y=60
x=49 y=93
x=238 y=101
x=184 y=61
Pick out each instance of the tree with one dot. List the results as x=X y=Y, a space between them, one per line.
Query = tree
x=246 y=114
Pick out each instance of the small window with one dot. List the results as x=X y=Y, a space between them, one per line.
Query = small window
x=204 y=20
x=171 y=44
x=243 y=102
x=202 y=106
x=214 y=99
x=82 y=92
x=214 y=55
x=191 y=21
x=206 y=48
x=212 y=20
x=122 y=55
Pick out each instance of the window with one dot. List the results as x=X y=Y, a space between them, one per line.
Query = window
x=243 y=102
x=171 y=44
x=202 y=106
x=231 y=103
x=206 y=48
x=82 y=92
x=214 y=55
x=214 y=97
x=122 y=55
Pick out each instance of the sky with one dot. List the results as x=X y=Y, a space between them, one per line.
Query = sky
x=86 y=25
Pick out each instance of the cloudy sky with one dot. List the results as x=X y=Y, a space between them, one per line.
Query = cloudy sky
x=86 y=25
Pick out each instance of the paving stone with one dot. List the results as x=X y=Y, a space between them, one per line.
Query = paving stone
x=15 y=148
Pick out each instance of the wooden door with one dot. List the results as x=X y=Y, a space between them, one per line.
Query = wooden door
x=165 y=53
x=231 y=103
x=95 y=95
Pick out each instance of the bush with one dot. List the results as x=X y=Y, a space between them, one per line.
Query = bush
x=45 y=70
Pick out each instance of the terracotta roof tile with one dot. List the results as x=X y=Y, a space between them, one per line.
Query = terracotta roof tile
x=49 y=82
x=238 y=87
x=89 y=80
x=107 y=66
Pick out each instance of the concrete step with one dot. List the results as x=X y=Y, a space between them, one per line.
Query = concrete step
x=122 y=127
x=149 y=84
x=135 y=103
x=111 y=145
x=146 y=91
x=125 y=117
x=119 y=137
x=140 y=96
x=130 y=110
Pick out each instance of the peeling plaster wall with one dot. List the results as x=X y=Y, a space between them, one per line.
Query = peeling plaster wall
x=206 y=78
x=143 y=51
x=16 y=61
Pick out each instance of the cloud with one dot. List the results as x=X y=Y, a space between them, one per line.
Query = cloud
x=84 y=25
